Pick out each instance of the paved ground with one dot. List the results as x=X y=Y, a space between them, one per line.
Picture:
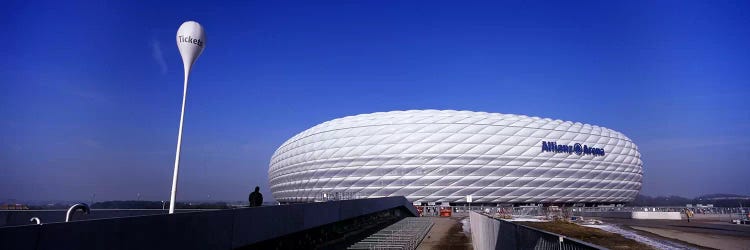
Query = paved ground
x=711 y=234
x=447 y=233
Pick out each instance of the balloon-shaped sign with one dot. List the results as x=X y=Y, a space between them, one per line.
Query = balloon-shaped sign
x=191 y=40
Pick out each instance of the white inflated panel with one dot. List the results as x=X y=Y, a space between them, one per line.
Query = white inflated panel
x=445 y=155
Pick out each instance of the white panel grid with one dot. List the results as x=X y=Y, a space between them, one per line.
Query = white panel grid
x=444 y=155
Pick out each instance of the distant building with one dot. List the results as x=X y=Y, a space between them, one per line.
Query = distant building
x=13 y=207
x=444 y=156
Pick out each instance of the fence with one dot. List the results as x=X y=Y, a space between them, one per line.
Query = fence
x=554 y=212
x=699 y=213
x=21 y=217
x=490 y=233
x=698 y=210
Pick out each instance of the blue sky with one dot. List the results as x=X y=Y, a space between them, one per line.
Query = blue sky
x=90 y=92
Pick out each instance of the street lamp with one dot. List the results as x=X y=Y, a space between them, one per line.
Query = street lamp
x=191 y=40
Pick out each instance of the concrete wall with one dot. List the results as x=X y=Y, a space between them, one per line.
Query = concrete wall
x=484 y=231
x=219 y=229
x=638 y=215
x=657 y=216
x=613 y=214
x=718 y=217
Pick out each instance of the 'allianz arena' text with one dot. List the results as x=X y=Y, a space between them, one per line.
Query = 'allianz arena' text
x=445 y=155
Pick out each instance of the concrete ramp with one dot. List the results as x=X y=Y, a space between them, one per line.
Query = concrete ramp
x=299 y=226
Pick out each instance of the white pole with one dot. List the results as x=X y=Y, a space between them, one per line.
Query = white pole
x=191 y=40
x=179 y=146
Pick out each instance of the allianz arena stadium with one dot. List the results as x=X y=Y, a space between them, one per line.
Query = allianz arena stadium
x=453 y=156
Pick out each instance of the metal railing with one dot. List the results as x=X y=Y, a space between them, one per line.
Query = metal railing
x=405 y=234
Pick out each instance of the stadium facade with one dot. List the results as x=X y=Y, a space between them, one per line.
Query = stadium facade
x=446 y=155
